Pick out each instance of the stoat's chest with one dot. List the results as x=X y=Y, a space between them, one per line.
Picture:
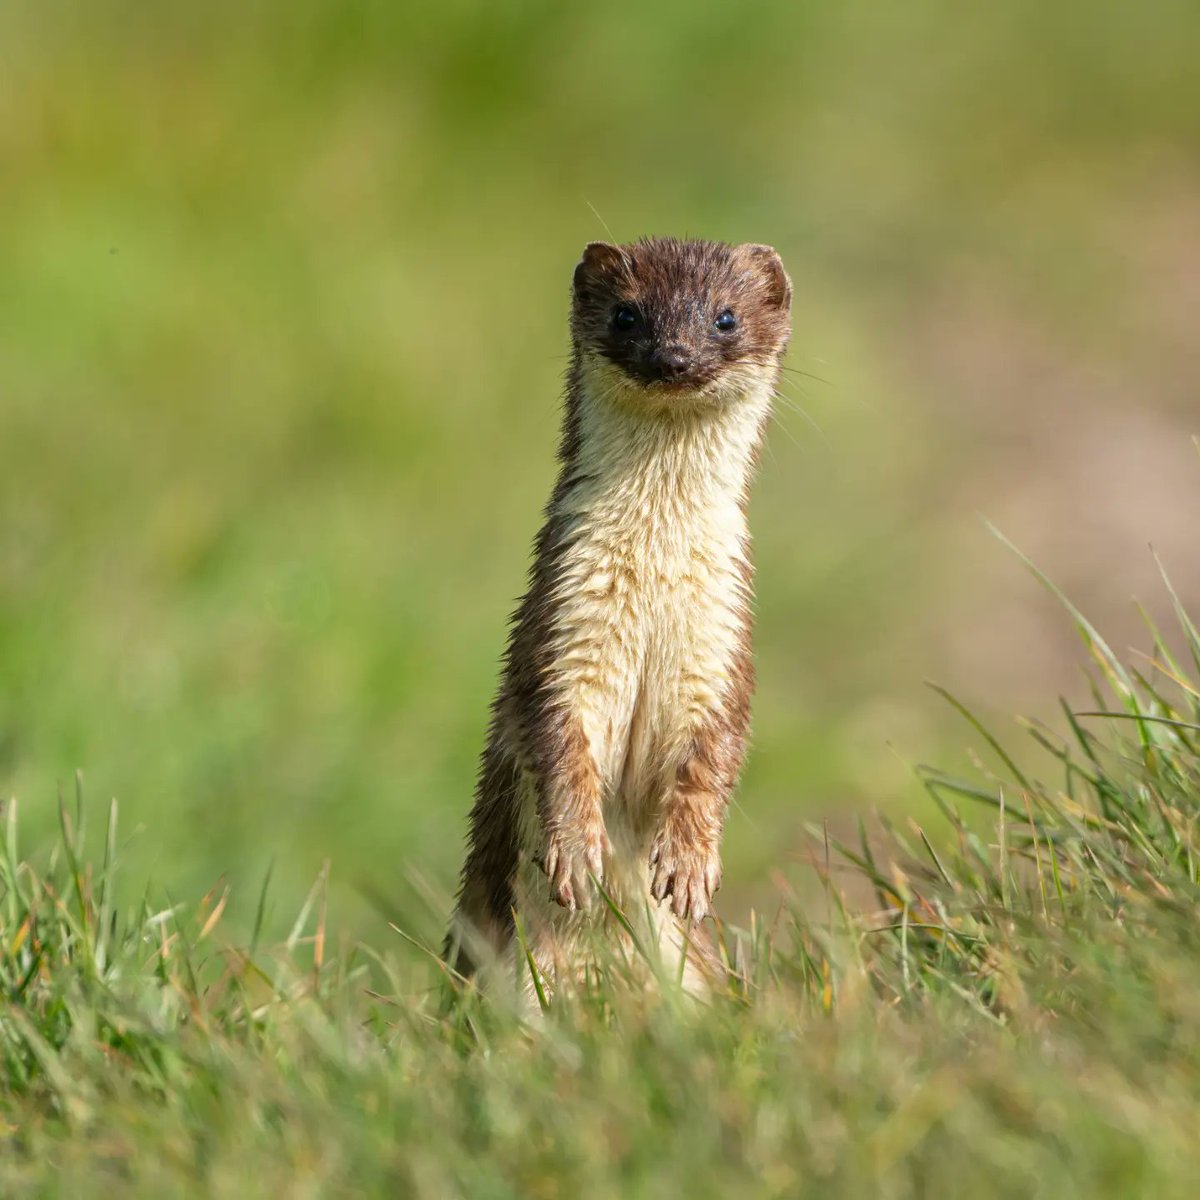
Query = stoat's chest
x=651 y=606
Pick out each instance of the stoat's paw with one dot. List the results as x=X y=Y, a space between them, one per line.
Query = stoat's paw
x=569 y=858
x=689 y=872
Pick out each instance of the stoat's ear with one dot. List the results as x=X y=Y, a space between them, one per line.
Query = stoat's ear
x=599 y=258
x=767 y=262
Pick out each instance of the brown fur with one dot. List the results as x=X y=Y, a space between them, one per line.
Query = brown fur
x=676 y=368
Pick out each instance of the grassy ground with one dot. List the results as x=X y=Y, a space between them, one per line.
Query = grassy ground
x=282 y=324
x=1015 y=1014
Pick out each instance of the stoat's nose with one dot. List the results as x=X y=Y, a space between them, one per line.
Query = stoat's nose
x=670 y=362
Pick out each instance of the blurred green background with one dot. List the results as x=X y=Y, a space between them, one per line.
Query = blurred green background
x=283 y=294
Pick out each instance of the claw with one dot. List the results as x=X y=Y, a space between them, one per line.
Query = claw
x=569 y=863
x=688 y=878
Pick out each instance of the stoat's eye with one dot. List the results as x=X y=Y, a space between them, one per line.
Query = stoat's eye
x=625 y=317
x=726 y=321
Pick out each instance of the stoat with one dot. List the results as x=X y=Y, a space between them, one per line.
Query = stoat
x=620 y=722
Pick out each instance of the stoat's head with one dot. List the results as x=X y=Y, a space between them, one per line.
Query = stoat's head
x=674 y=324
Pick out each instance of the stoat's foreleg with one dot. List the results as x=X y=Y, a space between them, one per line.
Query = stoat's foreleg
x=570 y=812
x=685 y=857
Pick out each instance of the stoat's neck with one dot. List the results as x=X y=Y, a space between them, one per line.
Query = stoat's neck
x=669 y=464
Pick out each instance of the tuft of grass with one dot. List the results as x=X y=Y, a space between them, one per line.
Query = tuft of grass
x=1016 y=1012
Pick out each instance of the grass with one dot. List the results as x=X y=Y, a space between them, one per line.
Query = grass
x=282 y=326
x=1015 y=1011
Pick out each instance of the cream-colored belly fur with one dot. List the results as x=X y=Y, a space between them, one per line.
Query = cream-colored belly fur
x=651 y=604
